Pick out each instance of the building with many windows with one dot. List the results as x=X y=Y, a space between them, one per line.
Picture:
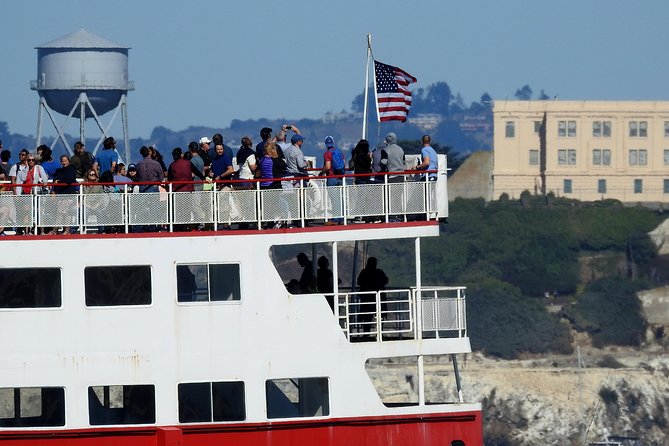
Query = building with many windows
x=588 y=150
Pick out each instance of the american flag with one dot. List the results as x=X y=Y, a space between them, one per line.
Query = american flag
x=393 y=98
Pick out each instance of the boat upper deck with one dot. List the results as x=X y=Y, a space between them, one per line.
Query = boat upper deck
x=391 y=198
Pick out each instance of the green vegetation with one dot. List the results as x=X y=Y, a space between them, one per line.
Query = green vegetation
x=510 y=253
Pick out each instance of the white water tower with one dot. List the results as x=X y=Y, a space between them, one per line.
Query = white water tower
x=82 y=75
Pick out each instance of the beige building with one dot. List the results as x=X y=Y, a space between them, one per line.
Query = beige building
x=588 y=150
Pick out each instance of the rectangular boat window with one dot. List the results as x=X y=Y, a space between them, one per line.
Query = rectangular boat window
x=207 y=402
x=208 y=282
x=297 y=397
x=32 y=407
x=30 y=288
x=117 y=285
x=133 y=404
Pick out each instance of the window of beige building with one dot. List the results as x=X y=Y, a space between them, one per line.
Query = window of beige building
x=601 y=186
x=638 y=186
x=666 y=157
x=537 y=127
x=567 y=129
x=638 y=129
x=601 y=129
x=666 y=186
x=666 y=129
x=601 y=157
x=638 y=157
x=510 y=130
x=566 y=186
x=566 y=157
x=534 y=157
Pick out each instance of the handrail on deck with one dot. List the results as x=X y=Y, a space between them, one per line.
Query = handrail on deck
x=391 y=315
x=398 y=197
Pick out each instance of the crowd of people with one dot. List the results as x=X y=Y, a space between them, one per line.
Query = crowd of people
x=276 y=162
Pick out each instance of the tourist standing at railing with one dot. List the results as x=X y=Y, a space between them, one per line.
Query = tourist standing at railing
x=361 y=161
x=82 y=160
x=108 y=158
x=156 y=155
x=148 y=170
x=371 y=279
x=120 y=174
x=296 y=165
x=182 y=169
x=246 y=160
x=203 y=150
x=430 y=161
x=217 y=139
x=395 y=158
x=265 y=136
x=5 y=165
x=46 y=161
x=270 y=167
x=221 y=165
x=35 y=177
x=281 y=137
x=333 y=162
x=19 y=171
x=65 y=177
x=197 y=161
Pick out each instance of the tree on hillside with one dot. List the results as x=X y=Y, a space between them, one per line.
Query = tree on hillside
x=524 y=93
x=438 y=98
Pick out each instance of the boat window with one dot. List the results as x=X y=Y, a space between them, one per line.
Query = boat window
x=121 y=405
x=297 y=397
x=208 y=282
x=32 y=407
x=30 y=287
x=117 y=285
x=206 y=402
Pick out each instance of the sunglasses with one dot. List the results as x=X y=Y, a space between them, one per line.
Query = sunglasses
x=31 y=160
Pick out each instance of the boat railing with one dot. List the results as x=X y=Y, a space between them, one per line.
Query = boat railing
x=165 y=206
x=400 y=314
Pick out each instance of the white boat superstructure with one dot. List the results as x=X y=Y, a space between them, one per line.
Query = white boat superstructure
x=193 y=338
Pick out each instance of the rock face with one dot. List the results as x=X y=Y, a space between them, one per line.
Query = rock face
x=550 y=400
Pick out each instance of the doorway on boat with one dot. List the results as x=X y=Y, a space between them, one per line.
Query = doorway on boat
x=371 y=294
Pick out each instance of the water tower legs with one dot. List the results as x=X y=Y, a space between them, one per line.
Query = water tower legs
x=81 y=105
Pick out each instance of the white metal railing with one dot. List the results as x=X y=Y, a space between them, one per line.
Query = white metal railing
x=128 y=210
x=390 y=315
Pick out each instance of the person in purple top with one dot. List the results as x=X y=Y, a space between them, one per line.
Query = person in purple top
x=149 y=170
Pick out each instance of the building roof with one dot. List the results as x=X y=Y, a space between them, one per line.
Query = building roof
x=81 y=39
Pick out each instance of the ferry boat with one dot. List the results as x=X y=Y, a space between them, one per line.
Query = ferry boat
x=192 y=338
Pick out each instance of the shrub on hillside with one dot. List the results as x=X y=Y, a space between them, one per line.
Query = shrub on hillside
x=610 y=312
x=504 y=323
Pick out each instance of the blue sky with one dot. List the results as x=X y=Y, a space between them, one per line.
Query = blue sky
x=205 y=62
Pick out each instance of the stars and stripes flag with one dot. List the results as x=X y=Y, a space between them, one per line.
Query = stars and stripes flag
x=393 y=98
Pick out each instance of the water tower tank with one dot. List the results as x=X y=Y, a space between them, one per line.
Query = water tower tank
x=82 y=62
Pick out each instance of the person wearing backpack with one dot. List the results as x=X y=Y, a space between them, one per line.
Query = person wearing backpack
x=334 y=162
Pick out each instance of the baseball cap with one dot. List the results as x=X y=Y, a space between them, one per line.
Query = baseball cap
x=132 y=167
x=205 y=140
x=296 y=138
x=329 y=141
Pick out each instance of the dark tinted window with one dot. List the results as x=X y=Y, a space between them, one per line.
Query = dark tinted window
x=30 y=287
x=198 y=400
x=32 y=407
x=297 y=397
x=208 y=282
x=121 y=405
x=117 y=285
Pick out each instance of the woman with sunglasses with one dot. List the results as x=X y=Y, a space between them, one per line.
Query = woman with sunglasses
x=36 y=176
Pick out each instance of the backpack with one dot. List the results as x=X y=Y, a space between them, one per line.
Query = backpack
x=338 y=162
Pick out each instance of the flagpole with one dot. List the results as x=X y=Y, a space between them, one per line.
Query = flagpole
x=364 y=108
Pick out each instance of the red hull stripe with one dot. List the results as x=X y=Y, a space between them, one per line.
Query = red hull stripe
x=405 y=430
